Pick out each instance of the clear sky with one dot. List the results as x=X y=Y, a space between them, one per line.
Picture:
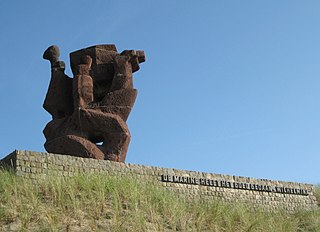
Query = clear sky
x=229 y=87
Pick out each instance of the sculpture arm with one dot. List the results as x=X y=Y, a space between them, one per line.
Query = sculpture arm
x=58 y=101
x=125 y=64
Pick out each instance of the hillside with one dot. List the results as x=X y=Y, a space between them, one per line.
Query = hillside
x=105 y=203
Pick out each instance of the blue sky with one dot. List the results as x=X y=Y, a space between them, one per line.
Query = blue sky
x=228 y=87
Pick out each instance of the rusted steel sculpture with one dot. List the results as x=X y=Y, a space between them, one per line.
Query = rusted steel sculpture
x=89 y=111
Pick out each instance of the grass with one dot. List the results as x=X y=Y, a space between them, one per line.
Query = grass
x=106 y=203
x=317 y=194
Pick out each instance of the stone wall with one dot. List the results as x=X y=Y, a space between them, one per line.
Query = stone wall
x=256 y=193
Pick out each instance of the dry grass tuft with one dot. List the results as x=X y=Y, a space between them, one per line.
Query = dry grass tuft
x=106 y=203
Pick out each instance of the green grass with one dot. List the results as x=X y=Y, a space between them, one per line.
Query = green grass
x=106 y=203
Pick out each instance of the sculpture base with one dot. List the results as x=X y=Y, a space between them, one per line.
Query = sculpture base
x=256 y=193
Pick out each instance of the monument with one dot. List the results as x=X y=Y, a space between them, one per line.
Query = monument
x=89 y=111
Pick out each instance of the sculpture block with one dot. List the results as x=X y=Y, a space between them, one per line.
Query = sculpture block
x=89 y=111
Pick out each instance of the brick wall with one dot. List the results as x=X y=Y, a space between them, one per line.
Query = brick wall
x=255 y=193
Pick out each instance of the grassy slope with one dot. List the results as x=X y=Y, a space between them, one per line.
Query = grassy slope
x=100 y=203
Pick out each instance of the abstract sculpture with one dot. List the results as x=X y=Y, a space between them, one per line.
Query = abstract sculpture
x=89 y=111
